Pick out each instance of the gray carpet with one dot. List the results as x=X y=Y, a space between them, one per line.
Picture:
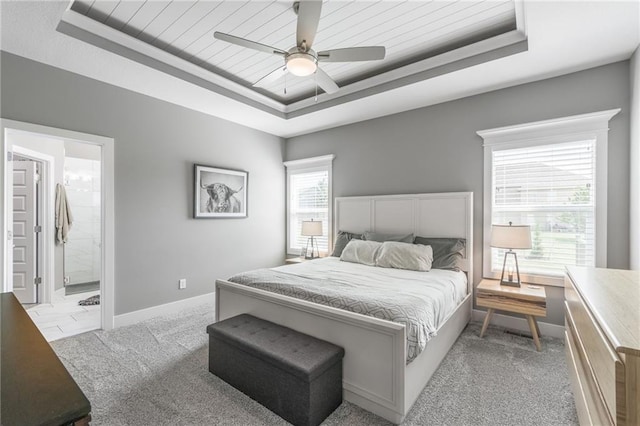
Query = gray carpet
x=155 y=373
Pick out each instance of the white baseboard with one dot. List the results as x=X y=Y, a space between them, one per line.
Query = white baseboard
x=520 y=324
x=168 y=308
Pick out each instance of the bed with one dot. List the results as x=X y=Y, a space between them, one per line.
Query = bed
x=380 y=372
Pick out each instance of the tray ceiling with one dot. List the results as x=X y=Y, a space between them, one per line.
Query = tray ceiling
x=177 y=37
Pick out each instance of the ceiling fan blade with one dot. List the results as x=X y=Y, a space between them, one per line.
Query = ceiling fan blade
x=308 y=18
x=248 y=43
x=352 y=54
x=325 y=82
x=274 y=75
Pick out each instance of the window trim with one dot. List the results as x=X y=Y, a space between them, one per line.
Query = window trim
x=566 y=129
x=324 y=162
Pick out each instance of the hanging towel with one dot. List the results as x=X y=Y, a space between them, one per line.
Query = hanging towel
x=64 y=218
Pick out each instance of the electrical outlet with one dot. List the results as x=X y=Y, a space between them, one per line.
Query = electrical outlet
x=182 y=283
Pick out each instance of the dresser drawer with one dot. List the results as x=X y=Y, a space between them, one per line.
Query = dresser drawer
x=590 y=404
x=600 y=358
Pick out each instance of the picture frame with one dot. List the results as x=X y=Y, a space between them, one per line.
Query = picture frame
x=219 y=193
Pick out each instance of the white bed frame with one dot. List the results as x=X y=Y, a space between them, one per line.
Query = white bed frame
x=375 y=374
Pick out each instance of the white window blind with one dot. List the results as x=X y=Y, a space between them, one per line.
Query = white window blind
x=308 y=199
x=552 y=188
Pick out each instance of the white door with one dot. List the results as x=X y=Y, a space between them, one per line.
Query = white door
x=24 y=231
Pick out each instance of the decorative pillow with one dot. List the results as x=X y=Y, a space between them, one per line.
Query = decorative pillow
x=414 y=257
x=360 y=251
x=377 y=236
x=341 y=241
x=447 y=252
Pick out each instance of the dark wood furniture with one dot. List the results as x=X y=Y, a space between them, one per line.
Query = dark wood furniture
x=294 y=375
x=36 y=389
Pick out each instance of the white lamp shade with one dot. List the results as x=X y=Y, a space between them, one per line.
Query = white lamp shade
x=311 y=228
x=511 y=237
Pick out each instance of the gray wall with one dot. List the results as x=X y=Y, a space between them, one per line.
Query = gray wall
x=156 y=145
x=436 y=149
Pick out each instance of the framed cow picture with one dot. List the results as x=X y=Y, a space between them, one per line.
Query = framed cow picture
x=219 y=193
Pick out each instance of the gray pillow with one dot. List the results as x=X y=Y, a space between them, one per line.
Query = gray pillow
x=447 y=252
x=380 y=237
x=341 y=241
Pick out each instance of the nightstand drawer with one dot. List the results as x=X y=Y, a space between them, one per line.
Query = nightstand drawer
x=600 y=357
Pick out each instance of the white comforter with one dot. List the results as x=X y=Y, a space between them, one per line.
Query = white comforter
x=419 y=300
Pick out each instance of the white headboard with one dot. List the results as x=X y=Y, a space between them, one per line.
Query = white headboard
x=447 y=214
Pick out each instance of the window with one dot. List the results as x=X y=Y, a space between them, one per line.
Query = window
x=308 y=197
x=552 y=176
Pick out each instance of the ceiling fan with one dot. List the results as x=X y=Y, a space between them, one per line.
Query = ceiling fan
x=301 y=60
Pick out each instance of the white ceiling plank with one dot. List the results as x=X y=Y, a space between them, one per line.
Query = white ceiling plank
x=144 y=16
x=207 y=46
x=182 y=34
x=446 y=34
x=269 y=63
x=450 y=20
x=361 y=33
x=190 y=43
x=367 y=32
x=280 y=28
x=82 y=6
x=101 y=10
x=344 y=71
x=414 y=37
x=438 y=34
x=373 y=15
x=381 y=31
x=356 y=15
x=178 y=16
x=123 y=13
x=286 y=39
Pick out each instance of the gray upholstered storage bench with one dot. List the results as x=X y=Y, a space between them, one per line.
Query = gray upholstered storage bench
x=294 y=375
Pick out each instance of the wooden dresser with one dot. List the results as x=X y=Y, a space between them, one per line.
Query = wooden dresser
x=602 y=318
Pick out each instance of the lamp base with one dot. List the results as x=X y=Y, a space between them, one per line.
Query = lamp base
x=510 y=283
x=314 y=253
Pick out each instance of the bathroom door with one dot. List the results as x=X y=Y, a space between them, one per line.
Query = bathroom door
x=24 y=231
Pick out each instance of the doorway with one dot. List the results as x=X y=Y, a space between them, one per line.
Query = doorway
x=91 y=191
x=73 y=304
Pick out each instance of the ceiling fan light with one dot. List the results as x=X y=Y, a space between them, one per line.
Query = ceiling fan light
x=301 y=64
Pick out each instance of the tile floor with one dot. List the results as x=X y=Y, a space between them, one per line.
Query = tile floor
x=64 y=317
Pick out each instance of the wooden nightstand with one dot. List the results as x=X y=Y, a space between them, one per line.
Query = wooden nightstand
x=528 y=299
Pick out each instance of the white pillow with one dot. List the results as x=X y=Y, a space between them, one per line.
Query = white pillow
x=415 y=257
x=360 y=251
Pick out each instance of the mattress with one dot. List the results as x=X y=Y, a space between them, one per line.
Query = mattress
x=422 y=301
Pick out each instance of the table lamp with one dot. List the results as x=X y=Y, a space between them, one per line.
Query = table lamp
x=311 y=229
x=511 y=237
